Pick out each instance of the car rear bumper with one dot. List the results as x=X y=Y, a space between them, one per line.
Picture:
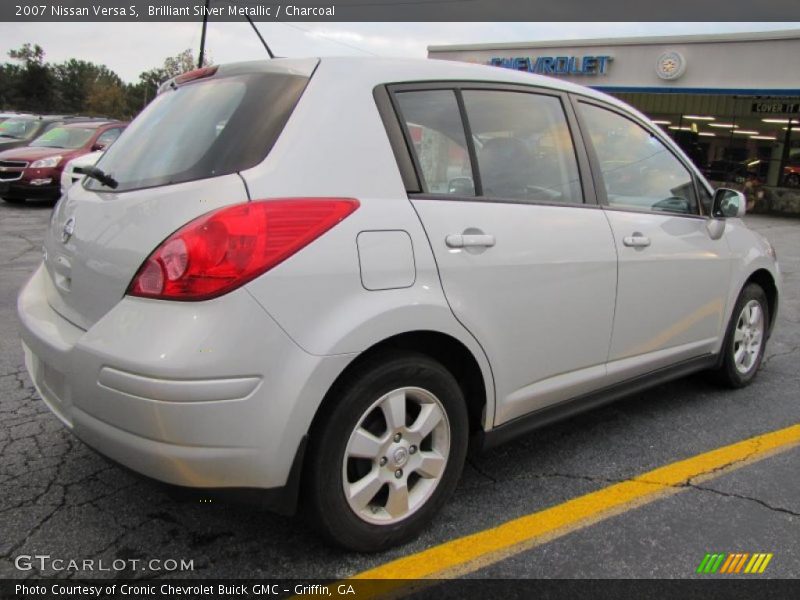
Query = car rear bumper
x=208 y=395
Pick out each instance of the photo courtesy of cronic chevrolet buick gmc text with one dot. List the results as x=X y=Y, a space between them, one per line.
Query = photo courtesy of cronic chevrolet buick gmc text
x=323 y=280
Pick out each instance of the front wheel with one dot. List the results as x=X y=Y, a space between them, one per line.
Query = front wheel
x=745 y=339
x=387 y=453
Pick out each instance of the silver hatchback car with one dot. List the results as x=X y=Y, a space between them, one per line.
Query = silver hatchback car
x=325 y=279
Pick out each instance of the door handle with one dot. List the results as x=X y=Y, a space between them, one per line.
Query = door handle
x=637 y=240
x=469 y=240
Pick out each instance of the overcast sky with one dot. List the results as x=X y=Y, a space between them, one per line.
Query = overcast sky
x=130 y=48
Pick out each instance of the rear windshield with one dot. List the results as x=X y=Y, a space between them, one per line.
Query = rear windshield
x=64 y=137
x=203 y=129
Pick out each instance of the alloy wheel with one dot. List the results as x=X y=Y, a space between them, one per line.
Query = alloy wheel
x=748 y=336
x=396 y=455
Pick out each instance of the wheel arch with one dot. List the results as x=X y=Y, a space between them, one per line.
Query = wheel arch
x=453 y=354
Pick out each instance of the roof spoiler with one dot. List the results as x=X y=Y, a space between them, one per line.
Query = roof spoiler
x=192 y=75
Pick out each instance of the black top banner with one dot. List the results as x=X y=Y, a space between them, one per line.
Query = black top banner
x=398 y=10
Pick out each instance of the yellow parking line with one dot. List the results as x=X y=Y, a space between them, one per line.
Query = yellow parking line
x=469 y=553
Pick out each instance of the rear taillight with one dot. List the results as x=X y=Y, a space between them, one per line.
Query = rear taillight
x=228 y=247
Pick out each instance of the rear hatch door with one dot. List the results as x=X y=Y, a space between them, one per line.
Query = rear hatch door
x=178 y=160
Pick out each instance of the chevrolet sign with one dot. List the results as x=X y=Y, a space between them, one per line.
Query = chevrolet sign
x=556 y=65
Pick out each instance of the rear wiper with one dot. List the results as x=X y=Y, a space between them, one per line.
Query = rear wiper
x=98 y=174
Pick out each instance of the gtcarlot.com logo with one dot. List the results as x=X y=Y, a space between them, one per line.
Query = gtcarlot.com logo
x=734 y=563
x=45 y=562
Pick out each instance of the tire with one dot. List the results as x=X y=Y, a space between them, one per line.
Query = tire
x=12 y=200
x=745 y=339
x=397 y=455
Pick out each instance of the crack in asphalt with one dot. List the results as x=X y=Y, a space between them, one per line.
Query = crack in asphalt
x=679 y=486
x=791 y=350
x=31 y=248
x=42 y=522
x=766 y=505
x=689 y=483
x=53 y=492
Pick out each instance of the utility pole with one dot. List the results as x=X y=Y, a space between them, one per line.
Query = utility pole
x=203 y=36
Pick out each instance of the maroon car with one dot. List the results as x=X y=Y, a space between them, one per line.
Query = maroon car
x=34 y=171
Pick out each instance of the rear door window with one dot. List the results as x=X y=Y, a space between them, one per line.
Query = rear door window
x=523 y=146
x=435 y=129
x=504 y=145
x=202 y=129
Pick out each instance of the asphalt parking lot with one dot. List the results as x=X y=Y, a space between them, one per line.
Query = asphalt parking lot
x=61 y=499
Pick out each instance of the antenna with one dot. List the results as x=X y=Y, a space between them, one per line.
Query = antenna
x=258 y=33
x=203 y=36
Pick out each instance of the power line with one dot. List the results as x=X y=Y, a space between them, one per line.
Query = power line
x=322 y=35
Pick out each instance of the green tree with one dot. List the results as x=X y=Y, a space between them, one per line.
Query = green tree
x=74 y=81
x=34 y=85
x=9 y=86
x=77 y=86
x=107 y=97
x=141 y=93
x=182 y=62
x=28 y=54
x=150 y=82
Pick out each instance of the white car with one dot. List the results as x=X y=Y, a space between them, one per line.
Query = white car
x=69 y=176
x=324 y=279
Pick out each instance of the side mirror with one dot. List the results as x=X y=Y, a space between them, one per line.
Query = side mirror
x=97 y=147
x=461 y=186
x=728 y=203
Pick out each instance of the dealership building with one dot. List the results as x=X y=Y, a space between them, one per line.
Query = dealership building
x=732 y=101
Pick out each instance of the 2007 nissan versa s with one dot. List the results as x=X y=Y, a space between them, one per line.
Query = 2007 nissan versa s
x=323 y=279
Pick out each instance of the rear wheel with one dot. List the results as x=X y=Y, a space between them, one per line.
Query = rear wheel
x=388 y=454
x=12 y=200
x=745 y=339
